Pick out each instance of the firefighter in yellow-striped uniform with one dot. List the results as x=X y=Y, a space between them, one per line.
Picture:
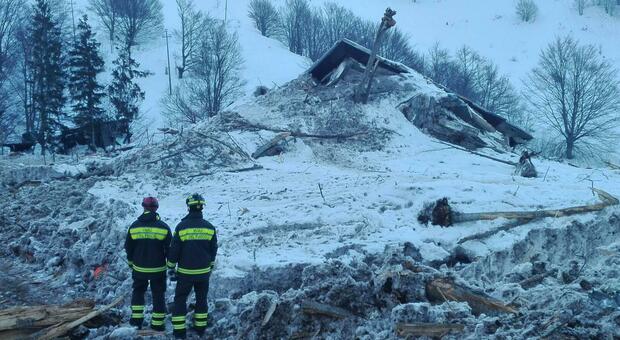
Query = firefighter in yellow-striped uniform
x=147 y=244
x=192 y=253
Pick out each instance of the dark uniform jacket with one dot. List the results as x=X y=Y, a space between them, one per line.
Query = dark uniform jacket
x=147 y=244
x=194 y=247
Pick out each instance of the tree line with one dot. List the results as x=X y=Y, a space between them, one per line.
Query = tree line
x=49 y=70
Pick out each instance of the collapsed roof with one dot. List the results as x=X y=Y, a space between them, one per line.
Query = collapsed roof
x=440 y=117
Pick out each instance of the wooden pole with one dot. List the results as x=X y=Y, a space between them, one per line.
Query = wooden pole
x=169 y=70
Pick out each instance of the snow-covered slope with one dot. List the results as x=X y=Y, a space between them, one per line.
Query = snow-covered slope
x=490 y=27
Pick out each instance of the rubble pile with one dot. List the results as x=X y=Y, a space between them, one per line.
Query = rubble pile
x=561 y=282
x=65 y=238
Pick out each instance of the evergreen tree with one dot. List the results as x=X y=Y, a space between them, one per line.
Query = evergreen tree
x=125 y=94
x=46 y=63
x=86 y=93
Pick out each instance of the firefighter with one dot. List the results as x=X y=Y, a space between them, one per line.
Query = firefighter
x=192 y=253
x=147 y=244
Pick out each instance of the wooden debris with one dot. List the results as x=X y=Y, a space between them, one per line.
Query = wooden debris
x=535 y=280
x=479 y=154
x=612 y=166
x=269 y=314
x=435 y=330
x=315 y=308
x=442 y=289
x=263 y=149
x=442 y=214
x=38 y=317
x=22 y=322
x=62 y=328
x=526 y=168
x=168 y=131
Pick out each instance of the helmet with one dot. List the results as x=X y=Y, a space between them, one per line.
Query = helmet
x=194 y=199
x=150 y=203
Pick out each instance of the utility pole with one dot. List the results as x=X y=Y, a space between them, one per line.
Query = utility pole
x=169 y=70
x=226 y=11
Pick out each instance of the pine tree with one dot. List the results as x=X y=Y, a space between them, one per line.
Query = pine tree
x=86 y=93
x=46 y=65
x=125 y=94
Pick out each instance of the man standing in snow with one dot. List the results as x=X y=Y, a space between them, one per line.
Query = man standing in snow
x=194 y=247
x=147 y=244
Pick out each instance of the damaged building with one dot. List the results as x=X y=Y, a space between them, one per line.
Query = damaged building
x=323 y=100
x=450 y=117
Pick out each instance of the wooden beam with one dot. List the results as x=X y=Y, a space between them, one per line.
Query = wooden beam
x=58 y=330
x=435 y=330
x=316 y=308
x=445 y=289
x=273 y=142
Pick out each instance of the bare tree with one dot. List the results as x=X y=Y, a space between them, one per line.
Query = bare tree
x=8 y=116
x=192 y=21
x=139 y=21
x=215 y=82
x=397 y=48
x=295 y=15
x=609 y=6
x=265 y=17
x=9 y=22
x=580 y=5
x=576 y=92
x=313 y=39
x=527 y=10
x=107 y=12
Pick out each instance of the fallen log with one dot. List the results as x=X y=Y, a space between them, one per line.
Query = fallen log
x=61 y=329
x=435 y=330
x=444 y=289
x=262 y=150
x=442 y=214
x=316 y=308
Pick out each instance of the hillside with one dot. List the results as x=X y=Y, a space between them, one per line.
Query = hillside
x=322 y=238
x=513 y=45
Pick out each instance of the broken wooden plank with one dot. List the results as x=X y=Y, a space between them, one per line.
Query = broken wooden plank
x=435 y=330
x=316 y=308
x=445 y=289
x=39 y=316
x=270 y=311
x=535 y=280
x=58 y=330
x=262 y=150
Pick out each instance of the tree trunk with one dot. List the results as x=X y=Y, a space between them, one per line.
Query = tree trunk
x=570 y=148
x=363 y=90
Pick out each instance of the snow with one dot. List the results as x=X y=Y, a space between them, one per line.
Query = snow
x=277 y=216
x=369 y=200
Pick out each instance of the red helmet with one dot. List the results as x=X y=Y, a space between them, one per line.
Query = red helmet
x=150 y=203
